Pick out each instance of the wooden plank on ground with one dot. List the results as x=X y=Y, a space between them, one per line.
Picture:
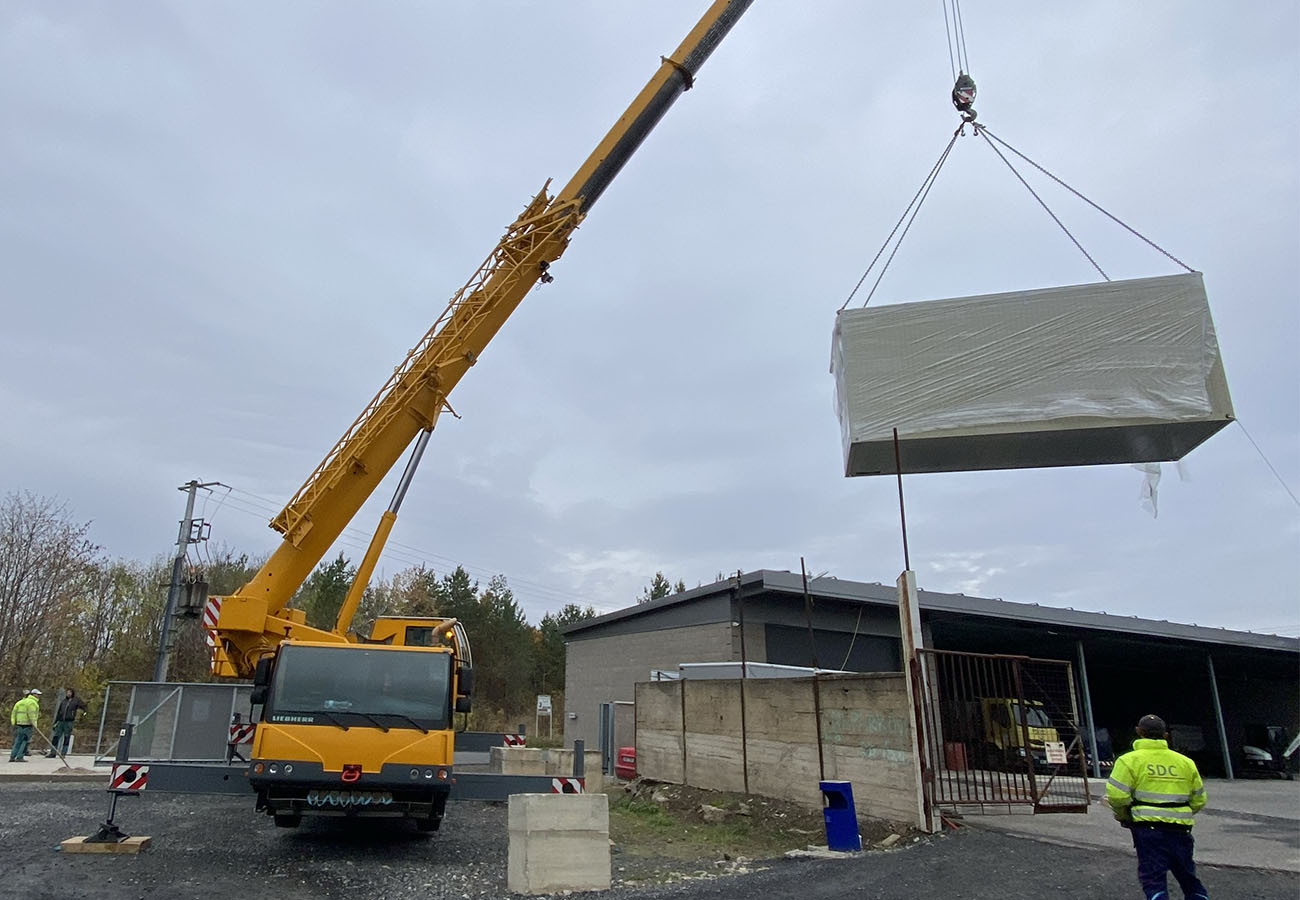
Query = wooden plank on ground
x=130 y=845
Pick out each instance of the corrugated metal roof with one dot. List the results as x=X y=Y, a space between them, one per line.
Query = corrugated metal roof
x=958 y=605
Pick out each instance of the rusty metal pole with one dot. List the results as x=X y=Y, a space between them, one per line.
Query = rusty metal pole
x=902 y=512
x=817 y=686
x=744 y=665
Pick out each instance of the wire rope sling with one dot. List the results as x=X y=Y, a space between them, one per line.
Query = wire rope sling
x=1109 y=372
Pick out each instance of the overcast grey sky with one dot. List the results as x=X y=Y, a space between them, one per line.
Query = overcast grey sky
x=222 y=224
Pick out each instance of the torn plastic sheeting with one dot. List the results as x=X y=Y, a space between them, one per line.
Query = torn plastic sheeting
x=1112 y=368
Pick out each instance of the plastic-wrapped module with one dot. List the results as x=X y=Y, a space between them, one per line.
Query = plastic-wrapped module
x=1115 y=372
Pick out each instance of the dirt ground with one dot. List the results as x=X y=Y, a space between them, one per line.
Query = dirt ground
x=206 y=846
x=663 y=832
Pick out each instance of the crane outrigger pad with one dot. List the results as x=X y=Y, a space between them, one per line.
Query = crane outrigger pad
x=1091 y=374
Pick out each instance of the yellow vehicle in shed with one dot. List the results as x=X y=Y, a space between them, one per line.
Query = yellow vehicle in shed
x=1014 y=731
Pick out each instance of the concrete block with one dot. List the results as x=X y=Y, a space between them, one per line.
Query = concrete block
x=558 y=842
x=519 y=761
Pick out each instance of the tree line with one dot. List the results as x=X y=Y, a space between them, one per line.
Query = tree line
x=70 y=616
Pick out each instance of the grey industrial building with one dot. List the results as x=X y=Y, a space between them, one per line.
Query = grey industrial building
x=1215 y=686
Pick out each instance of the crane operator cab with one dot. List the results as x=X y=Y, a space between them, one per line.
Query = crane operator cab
x=361 y=729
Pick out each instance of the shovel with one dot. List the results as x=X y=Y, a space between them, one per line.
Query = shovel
x=43 y=737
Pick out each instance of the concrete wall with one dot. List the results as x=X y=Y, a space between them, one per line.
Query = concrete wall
x=603 y=669
x=867 y=738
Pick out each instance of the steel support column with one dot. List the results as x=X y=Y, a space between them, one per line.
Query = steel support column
x=1218 y=718
x=1087 y=711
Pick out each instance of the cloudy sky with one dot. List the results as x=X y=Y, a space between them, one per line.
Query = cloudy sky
x=222 y=224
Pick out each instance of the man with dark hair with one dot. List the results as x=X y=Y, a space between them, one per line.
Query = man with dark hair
x=1155 y=792
x=64 y=718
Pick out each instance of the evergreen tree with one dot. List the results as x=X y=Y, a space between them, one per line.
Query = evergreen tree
x=505 y=643
x=659 y=587
x=322 y=594
x=548 y=675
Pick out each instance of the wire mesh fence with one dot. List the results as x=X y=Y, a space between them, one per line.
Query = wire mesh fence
x=181 y=722
x=1000 y=732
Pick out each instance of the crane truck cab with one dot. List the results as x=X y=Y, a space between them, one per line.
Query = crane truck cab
x=361 y=729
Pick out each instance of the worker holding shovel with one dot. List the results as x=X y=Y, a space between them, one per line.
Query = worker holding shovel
x=23 y=719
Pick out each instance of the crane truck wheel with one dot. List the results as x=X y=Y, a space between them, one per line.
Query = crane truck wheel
x=287 y=820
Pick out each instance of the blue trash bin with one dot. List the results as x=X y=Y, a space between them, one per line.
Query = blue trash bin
x=841 y=816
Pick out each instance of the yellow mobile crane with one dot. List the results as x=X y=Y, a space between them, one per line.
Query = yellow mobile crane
x=362 y=726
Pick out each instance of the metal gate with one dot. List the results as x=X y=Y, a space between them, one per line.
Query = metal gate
x=1000 y=732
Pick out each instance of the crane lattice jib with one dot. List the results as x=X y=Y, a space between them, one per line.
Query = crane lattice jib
x=414 y=396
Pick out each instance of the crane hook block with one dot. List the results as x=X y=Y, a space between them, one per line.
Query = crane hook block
x=963 y=96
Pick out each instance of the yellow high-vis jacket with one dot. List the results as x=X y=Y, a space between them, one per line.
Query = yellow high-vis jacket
x=1152 y=783
x=25 y=711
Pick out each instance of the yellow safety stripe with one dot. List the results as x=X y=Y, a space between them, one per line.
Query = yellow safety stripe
x=1161 y=812
x=1156 y=797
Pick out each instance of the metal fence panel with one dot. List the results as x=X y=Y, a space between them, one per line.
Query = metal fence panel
x=173 y=721
x=1000 y=732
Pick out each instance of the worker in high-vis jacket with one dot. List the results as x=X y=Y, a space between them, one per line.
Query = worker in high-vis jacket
x=1155 y=792
x=23 y=718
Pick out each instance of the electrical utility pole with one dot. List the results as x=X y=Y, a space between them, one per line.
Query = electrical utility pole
x=184 y=538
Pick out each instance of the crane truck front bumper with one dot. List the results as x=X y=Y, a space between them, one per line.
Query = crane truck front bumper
x=399 y=790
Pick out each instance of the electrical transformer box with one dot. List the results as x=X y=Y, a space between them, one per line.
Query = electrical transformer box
x=1115 y=372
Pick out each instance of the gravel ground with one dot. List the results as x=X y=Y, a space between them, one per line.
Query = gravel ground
x=218 y=846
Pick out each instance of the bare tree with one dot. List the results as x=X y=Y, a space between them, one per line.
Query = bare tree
x=48 y=570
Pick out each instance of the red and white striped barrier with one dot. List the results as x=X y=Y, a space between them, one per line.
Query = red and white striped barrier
x=128 y=777
x=242 y=732
x=566 y=786
x=514 y=740
x=211 y=611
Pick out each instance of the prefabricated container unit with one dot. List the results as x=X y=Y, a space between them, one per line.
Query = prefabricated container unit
x=1090 y=374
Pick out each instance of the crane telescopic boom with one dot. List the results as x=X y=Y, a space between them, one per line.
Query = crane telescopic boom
x=254 y=619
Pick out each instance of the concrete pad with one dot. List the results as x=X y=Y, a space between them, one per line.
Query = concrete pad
x=41 y=768
x=1248 y=824
x=558 y=842
x=130 y=845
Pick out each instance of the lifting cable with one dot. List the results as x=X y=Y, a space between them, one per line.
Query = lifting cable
x=989 y=136
x=913 y=207
x=963 y=97
x=955 y=30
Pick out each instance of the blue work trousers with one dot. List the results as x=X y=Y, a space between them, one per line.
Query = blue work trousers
x=61 y=735
x=22 y=737
x=1161 y=850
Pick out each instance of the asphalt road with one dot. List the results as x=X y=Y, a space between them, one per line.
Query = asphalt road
x=205 y=847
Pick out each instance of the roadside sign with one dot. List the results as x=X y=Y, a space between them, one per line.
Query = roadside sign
x=544 y=703
x=1055 y=752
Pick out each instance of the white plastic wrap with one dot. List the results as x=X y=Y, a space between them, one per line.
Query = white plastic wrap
x=979 y=371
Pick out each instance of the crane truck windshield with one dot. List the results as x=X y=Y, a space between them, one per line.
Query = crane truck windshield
x=346 y=686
